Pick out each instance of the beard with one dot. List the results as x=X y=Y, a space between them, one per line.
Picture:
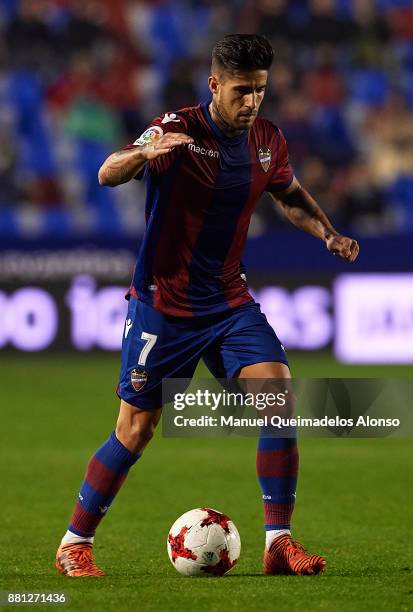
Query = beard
x=225 y=123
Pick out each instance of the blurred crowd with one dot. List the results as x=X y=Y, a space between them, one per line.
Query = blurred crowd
x=80 y=78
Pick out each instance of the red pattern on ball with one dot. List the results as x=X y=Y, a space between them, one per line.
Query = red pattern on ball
x=223 y=566
x=216 y=518
x=177 y=546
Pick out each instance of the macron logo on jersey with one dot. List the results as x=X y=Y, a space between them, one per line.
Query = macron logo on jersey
x=203 y=151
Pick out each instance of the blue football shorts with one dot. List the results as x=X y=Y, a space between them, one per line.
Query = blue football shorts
x=157 y=346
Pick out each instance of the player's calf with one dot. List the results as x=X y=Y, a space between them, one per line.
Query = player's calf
x=106 y=472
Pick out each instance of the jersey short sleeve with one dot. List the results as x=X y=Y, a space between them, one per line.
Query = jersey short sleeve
x=283 y=174
x=169 y=122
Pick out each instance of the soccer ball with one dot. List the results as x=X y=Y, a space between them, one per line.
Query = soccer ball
x=203 y=542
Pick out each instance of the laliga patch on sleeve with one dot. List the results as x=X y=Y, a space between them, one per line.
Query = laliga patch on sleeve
x=152 y=133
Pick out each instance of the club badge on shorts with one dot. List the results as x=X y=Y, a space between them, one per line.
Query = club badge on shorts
x=264 y=155
x=138 y=379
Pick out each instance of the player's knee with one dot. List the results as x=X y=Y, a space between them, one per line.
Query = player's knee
x=142 y=433
x=135 y=427
x=135 y=436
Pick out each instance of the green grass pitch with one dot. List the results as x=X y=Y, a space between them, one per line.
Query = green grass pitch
x=354 y=502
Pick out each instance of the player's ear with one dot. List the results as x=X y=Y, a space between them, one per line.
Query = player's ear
x=213 y=84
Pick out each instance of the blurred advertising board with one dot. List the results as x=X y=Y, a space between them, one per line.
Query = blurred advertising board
x=74 y=300
x=374 y=318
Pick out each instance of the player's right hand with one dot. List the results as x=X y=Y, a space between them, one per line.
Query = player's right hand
x=165 y=144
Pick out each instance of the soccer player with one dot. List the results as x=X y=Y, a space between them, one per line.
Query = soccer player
x=205 y=168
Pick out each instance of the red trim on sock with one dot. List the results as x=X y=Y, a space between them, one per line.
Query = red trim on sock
x=277 y=514
x=281 y=462
x=85 y=521
x=103 y=479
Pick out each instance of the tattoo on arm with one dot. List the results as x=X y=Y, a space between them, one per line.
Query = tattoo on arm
x=121 y=167
x=304 y=212
x=118 y=174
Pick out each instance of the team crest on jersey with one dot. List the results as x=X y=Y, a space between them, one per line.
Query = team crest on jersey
x=264 y=155
x=152 y=133
x=138 y=379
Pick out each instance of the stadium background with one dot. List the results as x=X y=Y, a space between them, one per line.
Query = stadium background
x=79 y=79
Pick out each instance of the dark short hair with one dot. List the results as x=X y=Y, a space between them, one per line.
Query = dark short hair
x=243 y=52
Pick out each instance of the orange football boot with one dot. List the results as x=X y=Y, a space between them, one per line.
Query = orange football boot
x=286 y=556
x=77 y=560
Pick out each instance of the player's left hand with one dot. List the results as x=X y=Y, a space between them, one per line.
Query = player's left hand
x=343 y=247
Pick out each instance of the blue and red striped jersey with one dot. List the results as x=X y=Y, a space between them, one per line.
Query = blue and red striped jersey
x=200 y=198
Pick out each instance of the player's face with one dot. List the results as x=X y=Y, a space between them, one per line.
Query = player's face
x=238 y=96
